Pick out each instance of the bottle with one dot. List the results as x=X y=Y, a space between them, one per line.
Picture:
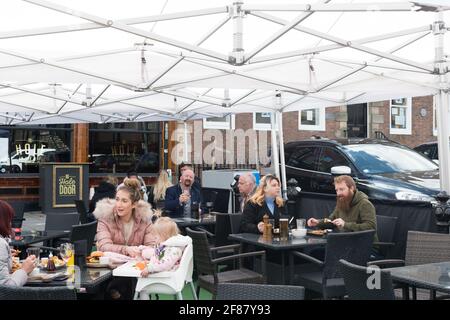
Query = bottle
x=50 y=263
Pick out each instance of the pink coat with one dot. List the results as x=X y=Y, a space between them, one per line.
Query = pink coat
x=109 y=229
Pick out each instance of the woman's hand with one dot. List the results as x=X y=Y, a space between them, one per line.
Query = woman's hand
x=261 y=227
x=133 y=251
x=29 y=263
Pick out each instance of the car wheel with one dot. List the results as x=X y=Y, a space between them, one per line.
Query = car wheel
x=15 y=169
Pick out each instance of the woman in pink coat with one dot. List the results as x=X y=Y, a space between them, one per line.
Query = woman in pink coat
x=124 y=223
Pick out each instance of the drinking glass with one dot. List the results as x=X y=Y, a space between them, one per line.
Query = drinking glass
x=301 y=223
x=36 y=252
x=66 y=250
x=284 y=229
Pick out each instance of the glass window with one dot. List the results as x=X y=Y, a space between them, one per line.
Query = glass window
x=262 y=121
x=28 y=146
x=331 y=158
x=312 y=119
x=128 y=147
x=377 y=158
x=303 y=158
x=400 y=116
x=226 y=122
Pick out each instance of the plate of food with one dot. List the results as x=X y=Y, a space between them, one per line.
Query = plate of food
x=93 y=260
x=16 y=265
x=59 y=263
x=319 y=232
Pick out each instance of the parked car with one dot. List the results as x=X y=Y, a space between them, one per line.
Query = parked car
x=429 y=150
x=382 y=169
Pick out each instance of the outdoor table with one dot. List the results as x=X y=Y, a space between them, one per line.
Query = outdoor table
x=26 y=238
x=433 y=276
x=283 y=246
x=91 y=279
x=205 y=220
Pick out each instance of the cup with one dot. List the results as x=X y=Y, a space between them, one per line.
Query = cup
x=284 y=229
x=301 y=223
x=36 y=252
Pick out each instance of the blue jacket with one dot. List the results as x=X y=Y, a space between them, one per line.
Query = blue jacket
x=172 y=201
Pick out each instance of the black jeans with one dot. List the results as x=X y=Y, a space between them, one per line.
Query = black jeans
x=121 y=289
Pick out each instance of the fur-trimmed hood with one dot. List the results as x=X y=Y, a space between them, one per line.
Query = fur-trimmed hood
x=105 y=210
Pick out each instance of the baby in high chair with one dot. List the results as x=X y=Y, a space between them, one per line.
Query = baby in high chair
x=167 y=254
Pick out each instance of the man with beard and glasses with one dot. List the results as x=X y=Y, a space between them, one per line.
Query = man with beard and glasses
x=181 y=197
x=353 y=212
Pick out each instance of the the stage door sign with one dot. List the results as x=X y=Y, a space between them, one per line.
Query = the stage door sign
x=67 y=185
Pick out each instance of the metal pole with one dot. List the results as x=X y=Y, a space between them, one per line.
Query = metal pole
x=237 y=55
x=275 y=159
x=283 y=163
x=442 y=105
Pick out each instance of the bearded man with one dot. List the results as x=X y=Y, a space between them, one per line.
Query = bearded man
x=353 y=212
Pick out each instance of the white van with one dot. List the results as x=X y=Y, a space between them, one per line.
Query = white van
x=19 y=158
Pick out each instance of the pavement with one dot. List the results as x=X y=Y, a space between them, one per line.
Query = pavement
x=34 y=220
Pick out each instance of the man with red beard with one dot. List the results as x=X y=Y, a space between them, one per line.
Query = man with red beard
x=353 y=212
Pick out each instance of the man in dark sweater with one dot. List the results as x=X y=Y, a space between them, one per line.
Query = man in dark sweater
x=353 y=212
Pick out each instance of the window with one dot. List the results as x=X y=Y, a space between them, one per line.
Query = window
x=226 y=122
x=24 y=148
x=121 y=147
x=312 y=119
x=331 y=158
x=262 y=121
x=400 y=116
x=303 y=158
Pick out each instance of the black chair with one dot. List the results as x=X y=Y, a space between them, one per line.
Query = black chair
x=235 y=219
x=385 y=232
x=357 y=282
x=324 y=276
x=86 y=232
x=207 y=267
x=37 y=293
x=248 y=291
x=209 y=198
x=19 y=208
x=82 y=210
x=61 y=221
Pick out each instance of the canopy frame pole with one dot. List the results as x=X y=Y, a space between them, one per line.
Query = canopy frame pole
x=129 y=29
x=185 y=153
x=337 y=7
x=128 y=21
x=281 y=139
x=237 y=55
x=442 y=105
x=275 y=158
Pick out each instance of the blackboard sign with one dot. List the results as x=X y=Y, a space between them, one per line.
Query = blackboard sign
x=67 y=185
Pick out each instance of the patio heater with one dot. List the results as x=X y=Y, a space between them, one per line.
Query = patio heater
x=442 y=212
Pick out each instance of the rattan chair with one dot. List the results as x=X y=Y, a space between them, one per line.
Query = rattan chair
x=207 y=266
x=421 y=248
x=248 y=291
x=359 y=280
x=37 y=293
x=324 y=276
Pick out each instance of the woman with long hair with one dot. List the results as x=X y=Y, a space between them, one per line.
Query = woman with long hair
x=157 y=193
x=265 y=200
x=8 y=276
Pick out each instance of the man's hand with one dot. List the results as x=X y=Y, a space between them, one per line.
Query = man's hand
x=261 y=227
x=338 y=222
x=312 y=222
x=184 y=197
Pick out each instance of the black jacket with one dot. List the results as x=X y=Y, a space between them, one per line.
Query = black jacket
x=104 y=190
x=172 y=202
x=253 y=214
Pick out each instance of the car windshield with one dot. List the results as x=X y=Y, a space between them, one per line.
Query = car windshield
x=379 y=158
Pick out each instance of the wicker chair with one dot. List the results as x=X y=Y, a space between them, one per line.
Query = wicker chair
x=248 y=291
x=385 y=232
x=421 y=248
x=325 y=276
x=207 y=266
x=37 y=293
x=356 y=282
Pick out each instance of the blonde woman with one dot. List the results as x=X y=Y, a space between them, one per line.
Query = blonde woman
x=158 y=191
x=167 y=254
x=265 y=200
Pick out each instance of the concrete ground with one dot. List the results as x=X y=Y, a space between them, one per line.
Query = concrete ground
x=34 y=220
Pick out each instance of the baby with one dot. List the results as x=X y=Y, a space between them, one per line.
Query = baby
x=167 y=254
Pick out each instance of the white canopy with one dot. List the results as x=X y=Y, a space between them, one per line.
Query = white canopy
x=138 y=60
